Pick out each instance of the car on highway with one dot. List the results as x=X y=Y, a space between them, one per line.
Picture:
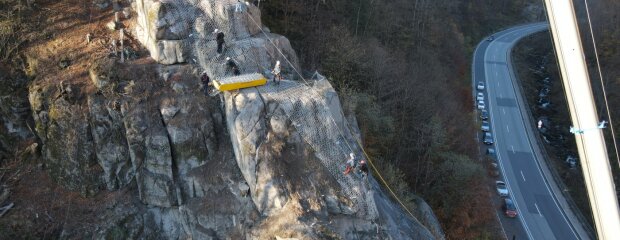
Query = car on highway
x=480 y=86
x=490 y=38
x=481 y=105
x=501 y=188
x=509 y=208
x=488 y=138
x=480 y=96
x=485 y=126
x=484 y=114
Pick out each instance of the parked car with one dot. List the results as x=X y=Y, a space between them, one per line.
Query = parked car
x=491 y=152
x=484 y=114
x=493 y=170
x=480 y=96
x=485 y=126
x=509 y=208
x=480 y=86
x=488 y=138
x=481 y=105
x=501 y=188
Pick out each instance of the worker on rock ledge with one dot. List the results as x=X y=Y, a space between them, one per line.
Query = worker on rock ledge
x=206 y=82
x=219 y=39
x=232 y=67
x=277 y=73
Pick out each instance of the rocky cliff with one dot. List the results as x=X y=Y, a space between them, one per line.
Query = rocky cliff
x=257 y=163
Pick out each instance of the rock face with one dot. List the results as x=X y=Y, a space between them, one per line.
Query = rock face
x=255 y=164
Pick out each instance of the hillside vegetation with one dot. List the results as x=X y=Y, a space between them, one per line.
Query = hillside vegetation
x=405 y=65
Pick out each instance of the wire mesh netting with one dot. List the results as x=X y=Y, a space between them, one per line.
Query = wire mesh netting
x=308 y=110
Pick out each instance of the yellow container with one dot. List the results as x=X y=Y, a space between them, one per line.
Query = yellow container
x=239 y=82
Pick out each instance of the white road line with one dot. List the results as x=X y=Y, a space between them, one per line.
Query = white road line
x=497 y=84
x=537 y=209
x=507 y=129
x=523 y=176
x=504 y=111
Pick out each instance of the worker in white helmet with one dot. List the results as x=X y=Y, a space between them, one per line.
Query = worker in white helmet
x=206 y=82
x=277 y=73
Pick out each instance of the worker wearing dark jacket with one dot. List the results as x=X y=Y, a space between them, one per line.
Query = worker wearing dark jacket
x=231 y=66
x=363 y=168
x=206 y=82
x=219 y=39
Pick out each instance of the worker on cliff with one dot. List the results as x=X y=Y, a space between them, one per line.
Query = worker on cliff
x=232 y=66
x=219 y=39
x=363 y=168
x=206 y=82
x=350 y=164
x=277 y=73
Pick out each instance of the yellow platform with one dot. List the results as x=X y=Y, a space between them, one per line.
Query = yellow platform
x=239 y=82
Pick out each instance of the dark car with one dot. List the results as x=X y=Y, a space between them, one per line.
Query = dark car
x=488 y=138
x=509 y=208
x=484 y=114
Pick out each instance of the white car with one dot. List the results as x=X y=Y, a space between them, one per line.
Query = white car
x=481 y=105
x=480 y=86
x=485 y=126
x=480 y=96
x=501 y=188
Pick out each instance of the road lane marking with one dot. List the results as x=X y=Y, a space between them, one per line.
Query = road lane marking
x=508 y=130
x=537 y=209
x=504 y=111
x=523 y=176
x=497 y=83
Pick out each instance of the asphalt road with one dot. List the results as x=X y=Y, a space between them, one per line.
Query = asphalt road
x=538 y=207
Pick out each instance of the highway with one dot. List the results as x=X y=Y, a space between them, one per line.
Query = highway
x=541 y=208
